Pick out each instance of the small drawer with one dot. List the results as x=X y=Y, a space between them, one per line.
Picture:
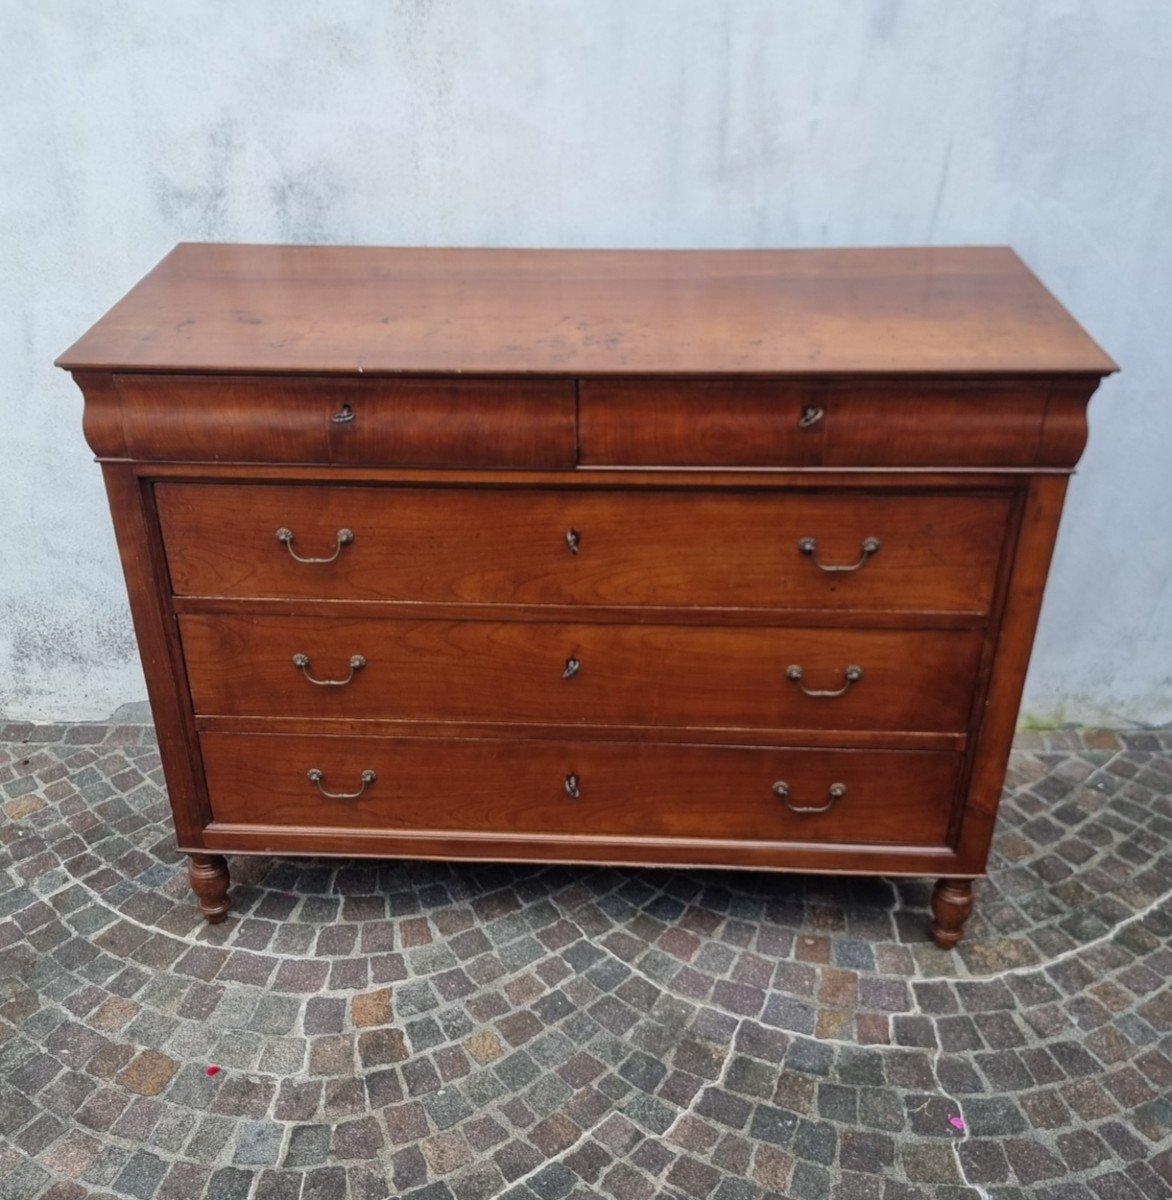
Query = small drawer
x=585 y=789
x=573 y=674
x=392 y=422
x=695 y=423
x=846 y=550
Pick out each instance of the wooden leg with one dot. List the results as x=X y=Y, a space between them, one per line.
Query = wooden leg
x=952 y=902
x=209 y=881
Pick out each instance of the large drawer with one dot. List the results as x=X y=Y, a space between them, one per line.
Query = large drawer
x=841 y=550
x=750 y=423
x=401 y=422
x=589 y=789
x=569 y=673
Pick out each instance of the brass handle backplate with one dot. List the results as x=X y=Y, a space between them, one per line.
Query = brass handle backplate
x=836 y=793
x=573 y=786
x=809 y=547
x=315 y=777
x=344 y=415
x=573 y=540
x=851 y=675
x=343 y=538
x=811 y=415
x=573 y=666
x=301 y=662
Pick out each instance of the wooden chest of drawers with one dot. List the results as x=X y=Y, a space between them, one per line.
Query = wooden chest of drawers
x=705 y=558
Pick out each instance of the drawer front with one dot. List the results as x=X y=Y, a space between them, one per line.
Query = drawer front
x=401 y=422
x=582 y=788
x=554 y=673
x=766 y=424
x=761 y=550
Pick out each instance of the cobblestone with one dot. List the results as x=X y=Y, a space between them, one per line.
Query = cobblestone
x=360 y=1030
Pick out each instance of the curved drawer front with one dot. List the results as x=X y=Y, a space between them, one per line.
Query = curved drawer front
x=760 y=550
x=399 y=422
x=744 y=423
x=588 y=789
x=567 y=673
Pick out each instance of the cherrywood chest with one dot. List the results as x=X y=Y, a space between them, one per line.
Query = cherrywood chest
x=720 y=559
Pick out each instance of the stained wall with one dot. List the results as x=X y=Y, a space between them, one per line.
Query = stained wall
x=130 y=125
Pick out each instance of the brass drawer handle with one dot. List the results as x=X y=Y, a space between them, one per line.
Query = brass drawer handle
x=811 y=415
x=285 y=537
x=343 y=415
x=836 y=793
x=315 y=777
x=301 y=662
x=809 y=547
x=573 y=540
x=852 y=675
x=573 y=787
x=573 y=666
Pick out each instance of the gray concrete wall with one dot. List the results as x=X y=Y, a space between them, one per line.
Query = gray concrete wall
x=128 y=125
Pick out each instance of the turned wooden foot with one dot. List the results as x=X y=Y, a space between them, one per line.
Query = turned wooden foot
x=952 y=902
x=209 y=881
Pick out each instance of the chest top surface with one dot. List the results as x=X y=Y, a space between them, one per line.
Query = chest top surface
x=347 y=310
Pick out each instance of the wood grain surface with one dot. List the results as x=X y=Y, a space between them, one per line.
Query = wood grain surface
x=364 y=310
x=518 y=788
x=751 y=423
x=347 y=422
x=635 y=547
x=632 y=675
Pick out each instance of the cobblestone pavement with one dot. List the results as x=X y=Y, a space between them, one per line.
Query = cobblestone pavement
x=439 y=1032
